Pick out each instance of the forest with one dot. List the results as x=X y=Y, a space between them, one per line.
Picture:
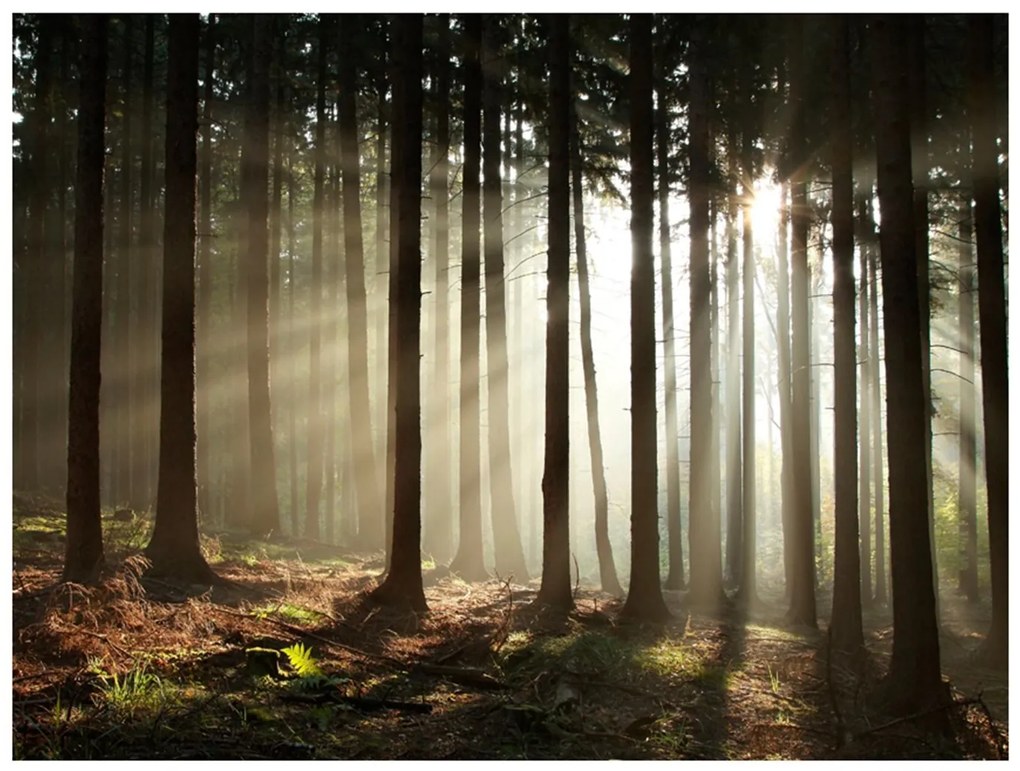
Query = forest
x=509 y=386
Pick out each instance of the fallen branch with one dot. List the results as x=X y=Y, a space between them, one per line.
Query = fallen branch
x=462 y=675
x=918 y=715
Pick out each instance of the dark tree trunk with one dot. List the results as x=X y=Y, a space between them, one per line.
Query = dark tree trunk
x=921 y=163
x=732 y=411
x=403 y=583
x=83 y=557
x=785 y=391
x=366 y=477
x=469 y=562
x=204 y=380
x=294 y=345
x=914 y=680
x=675 y=548
x=509 y=555
x=644 y=596
x=380 y=282
x=555 y=589
x=392 y=342
x=147 y=374
x=967 y=492
x=313 y=495
x=846 y=625
x=864 y=499
x=174 y=549
x=802 y=596
x=705 y=536
x=281 y=135
x=992 y=321
x=881 y=594
x=265 y=511
x=439 y=525
x=603 y=546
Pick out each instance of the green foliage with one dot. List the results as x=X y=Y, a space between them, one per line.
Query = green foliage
x=288 y=611
x=301 y=660
x=137 y=691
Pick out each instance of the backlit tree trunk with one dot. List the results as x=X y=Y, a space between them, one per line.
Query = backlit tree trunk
x=967 y=491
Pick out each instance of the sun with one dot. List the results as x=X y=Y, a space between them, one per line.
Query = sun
x=765 y=213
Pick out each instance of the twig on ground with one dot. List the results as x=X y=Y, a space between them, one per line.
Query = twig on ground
x=918 y=715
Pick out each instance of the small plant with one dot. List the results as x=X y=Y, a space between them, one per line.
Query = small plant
x=289 y=612
x=774 y=679
x=136 y=691
x=309 y=674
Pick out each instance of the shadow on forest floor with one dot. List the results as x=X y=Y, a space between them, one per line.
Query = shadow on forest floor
x=138 y=668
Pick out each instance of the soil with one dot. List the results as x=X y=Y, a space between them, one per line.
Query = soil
x=143 y=668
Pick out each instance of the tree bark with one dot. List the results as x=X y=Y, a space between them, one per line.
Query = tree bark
x=864 y=498
x=555 y=589
x=174 y=549
x=403 y=583
x=914 y=680
x=83 y=556
x=644 y=596
x=846 y=625
x=203 y=380
x=748 y=580
x=468 y=561
x=967 y=490
x=734 y=481
x=992 y=321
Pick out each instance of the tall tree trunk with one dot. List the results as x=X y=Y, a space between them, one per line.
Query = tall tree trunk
x=967 y=491
x=675 y=548
x=265 y=511
x=644 y=596
x=705 y=536
x=439 y=525
x=83 y=556
x=380 y=282
x=914 y=680
x=881 y=594
x=403 y=583
x=293 y=345
x=313 y=495
x=785 y=391
x=468 y=561
x=366 y=477
x=846 y=625
x=864 y=430
x=748 y=580
x=204 y=380
x=734 y=481
x=921 y=163
x=802 y=597
x=555 y=589
x=608 y=579
x=174 y=549
x=509 y=555
x=992 y=321
x=147 y=374
x=281 y=111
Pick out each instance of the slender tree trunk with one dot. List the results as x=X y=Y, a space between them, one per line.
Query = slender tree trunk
x=265 y=511
x=675 y=549
x=380 y=282
x=174 y=549
x=403 y=583
x=644 y=596
x=748 y=580
x=881 y=594
x=864 y=499
x=281 y=134
x=439 y=525
x=555 y=589
x=785 y=403
x=83 y=556
x=734 y=482
x=313 y=494
x=802 y=597
x=509 y=555
x=365 y=474
x=294 y=345
x=607 y=567
x=967 y=491
x=146 y=374
x=914 y=680
x=705 y=536
x=204 y=381
x=846 y=625
x=468 y=560
x=992 y=321
x=921 y=163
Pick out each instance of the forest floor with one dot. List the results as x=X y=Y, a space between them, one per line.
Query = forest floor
x=138 y=668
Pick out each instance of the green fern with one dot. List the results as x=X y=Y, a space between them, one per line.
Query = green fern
x=302 y=661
